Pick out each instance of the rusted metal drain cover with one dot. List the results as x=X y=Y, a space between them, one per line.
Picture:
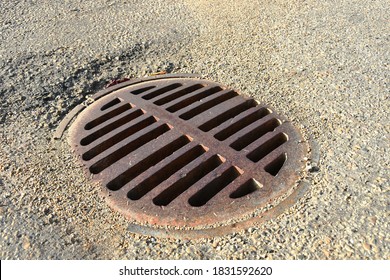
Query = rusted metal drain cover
x=187 y=153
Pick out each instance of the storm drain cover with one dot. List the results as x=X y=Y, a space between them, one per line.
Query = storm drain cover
x=187 y=153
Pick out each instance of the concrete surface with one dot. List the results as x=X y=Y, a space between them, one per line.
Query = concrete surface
x=323 y=64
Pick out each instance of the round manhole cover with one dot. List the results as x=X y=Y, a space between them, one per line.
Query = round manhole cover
x=187 y=153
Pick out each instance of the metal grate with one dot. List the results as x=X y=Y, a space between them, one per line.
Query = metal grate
x=186 y=152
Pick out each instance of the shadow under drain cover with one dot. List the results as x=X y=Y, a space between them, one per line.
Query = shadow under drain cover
x=187 y=153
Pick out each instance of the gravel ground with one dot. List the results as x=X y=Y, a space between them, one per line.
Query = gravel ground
x=323 y=64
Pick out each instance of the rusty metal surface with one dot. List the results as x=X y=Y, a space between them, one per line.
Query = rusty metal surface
x=185 y=152
x=64 y=123
x=274 y=212
x=134 y=81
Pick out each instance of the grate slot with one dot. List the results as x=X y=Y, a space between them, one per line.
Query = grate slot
x=127 y=149
x=228 y=114
x=196 y=97
x=107 y=116
x=146 y=163
x=110 y=104
x=171 y=193
x=160 y=91
x=255 y=134
x=267 y=147
x=110 y=127
x=241 y=123
x=248 y=187
x=118 y=137
x=141 y=90
x=205 y=105
x=215 y=186
x=274 y=167
x=164 y=173
x=178 y=94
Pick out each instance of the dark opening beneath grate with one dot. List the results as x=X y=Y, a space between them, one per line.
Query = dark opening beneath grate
x=186 y=152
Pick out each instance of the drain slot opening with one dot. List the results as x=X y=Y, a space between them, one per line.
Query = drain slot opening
x=164 y=173
x=171 y=193
x=227 y=115
x=241 y=123
x=266 y=148
x=248 y=187
x=160 y=91
x=110 y=127
x=147 y=163
x=110 y=104
x=141 y=90
x=255 y=134
x=214 y=187
x=207 y=105
x=274 y=167
x=127 y=149
x=188 y=101
x=118 y=137
x=107 y=116
x=178 y=94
